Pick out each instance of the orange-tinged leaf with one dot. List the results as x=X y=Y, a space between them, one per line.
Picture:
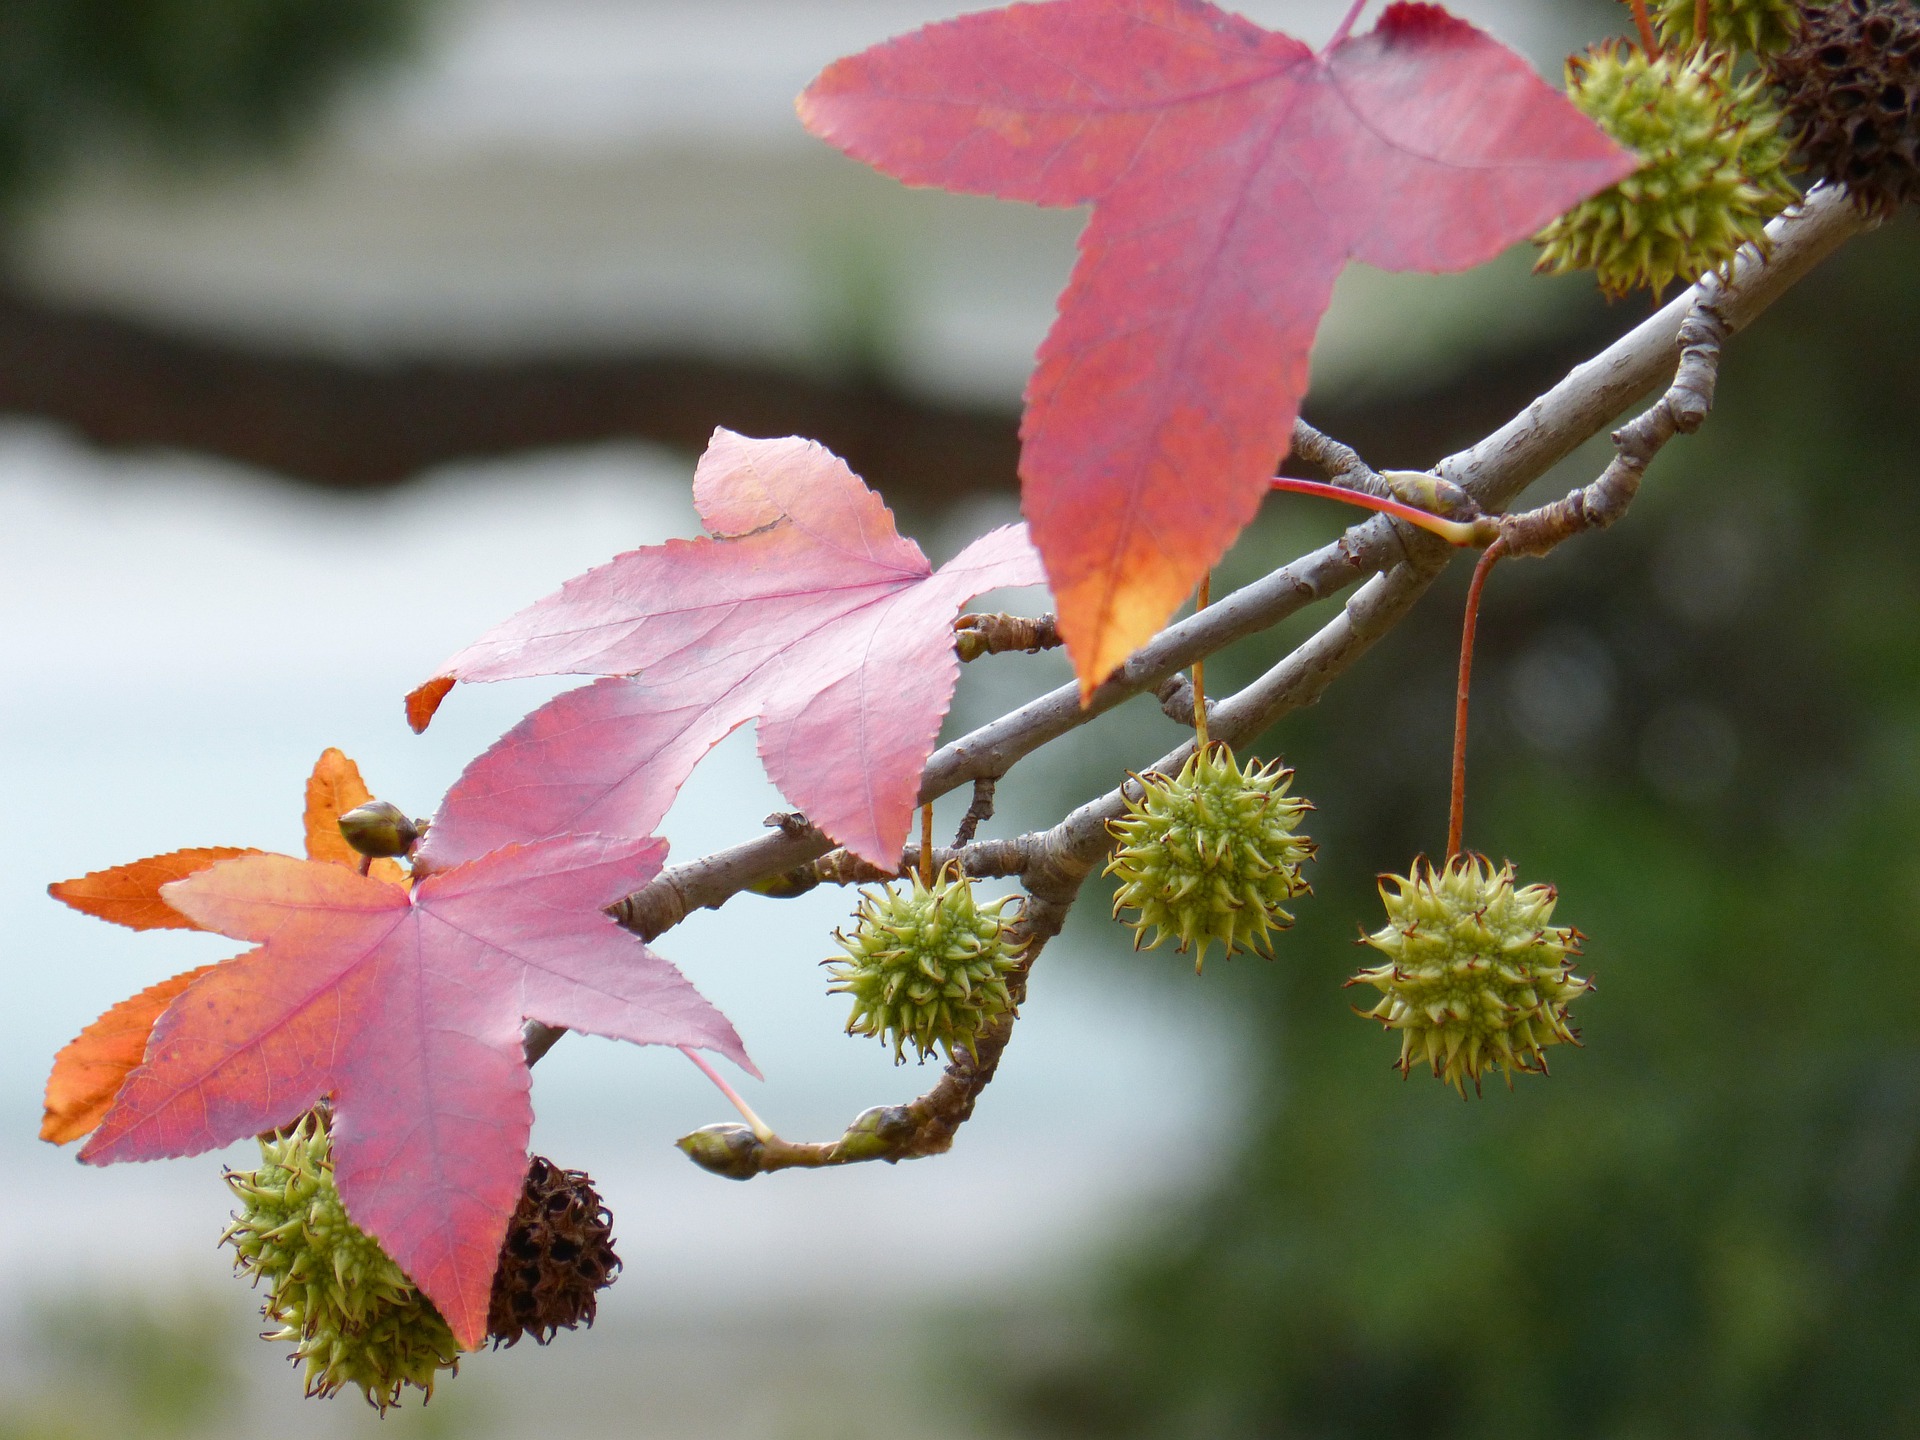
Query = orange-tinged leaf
x=423 y=701
x=88 y=1072
x=407 y=1008
x=129 y=895
x=334 y=788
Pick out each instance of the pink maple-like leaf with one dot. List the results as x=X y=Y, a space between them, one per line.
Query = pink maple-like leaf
x=1232 y=174
x=806 y=610
x=406 y=1008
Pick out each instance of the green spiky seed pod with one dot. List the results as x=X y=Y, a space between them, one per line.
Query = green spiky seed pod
x=557 y=1258
x=1757 y=27
x=1210 y=854
x=353 y=1316
x=1475 y=978
x=927 y=966
x=1850 y=86
x=1712 y=172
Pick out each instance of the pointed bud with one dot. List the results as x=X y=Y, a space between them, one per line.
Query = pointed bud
x=379 y=829
x=730 y=1150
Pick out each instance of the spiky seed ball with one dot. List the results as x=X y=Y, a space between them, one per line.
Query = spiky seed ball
x=1712 y=171
x=353 y=1316
x=1475 y=978
x=1758 y=27
x=1210 y=854
x=926 y=966
x=557 y=1257
x=1850 y=87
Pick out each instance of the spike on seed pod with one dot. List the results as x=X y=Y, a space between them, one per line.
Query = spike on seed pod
x=351 y=1314
x=1757 y=27
x=557 y=1258
x=1475 y=978
x=1850 y=87
x=379 y=829
x=1210 y=854
x=927 y=966
x=1713 y=169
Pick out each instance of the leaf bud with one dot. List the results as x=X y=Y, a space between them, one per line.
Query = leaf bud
x=874 y=1133
x=1426 y=491
x=730 y=1150
x=379 y=829
x=788 y=884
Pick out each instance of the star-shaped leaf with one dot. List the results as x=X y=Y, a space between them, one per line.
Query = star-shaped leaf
x=806 y=609
x=406 y=1008
x=1232 y=173
x=89 y=1070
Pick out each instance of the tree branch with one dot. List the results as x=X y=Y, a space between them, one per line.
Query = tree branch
x=1682 y=341
x=1493 y=472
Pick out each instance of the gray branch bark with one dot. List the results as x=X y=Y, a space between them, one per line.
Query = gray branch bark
x=1677 y=348
x=1493 y=472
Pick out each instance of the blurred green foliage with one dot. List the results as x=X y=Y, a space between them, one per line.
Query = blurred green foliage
x=125 y=1365
x=155 y=1365
x=183 y=79
x=1704 y=726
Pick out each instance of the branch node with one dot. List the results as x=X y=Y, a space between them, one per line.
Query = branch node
x=1175 y=694
x=995 y=634
x=1426 y=491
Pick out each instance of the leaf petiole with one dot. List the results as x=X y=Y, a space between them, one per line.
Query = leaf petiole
x=1454 y=532
x=759 y=1127
x=1346 y=27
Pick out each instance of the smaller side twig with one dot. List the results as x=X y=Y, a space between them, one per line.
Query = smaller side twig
x=978 y=859
x=921 y=1127
x=1680 y=410
x=1339 y=462
x=980 y=811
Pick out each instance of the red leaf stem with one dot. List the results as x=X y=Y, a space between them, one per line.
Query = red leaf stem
x=1451 y=531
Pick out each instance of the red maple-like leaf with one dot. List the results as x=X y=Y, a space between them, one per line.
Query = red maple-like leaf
x=807 y=610
x=406 y=1008
x=90 y=1068
x=1232 y=174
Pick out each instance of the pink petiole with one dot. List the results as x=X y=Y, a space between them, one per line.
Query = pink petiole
x=1346 y=27
x=754 y=1122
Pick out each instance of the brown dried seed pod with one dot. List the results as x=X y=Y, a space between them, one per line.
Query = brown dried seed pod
x=557 y=1257
x=1850 y=87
